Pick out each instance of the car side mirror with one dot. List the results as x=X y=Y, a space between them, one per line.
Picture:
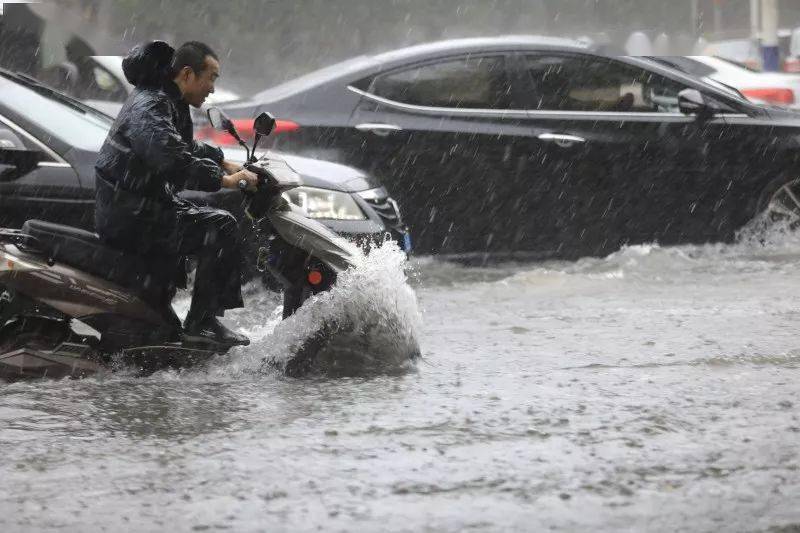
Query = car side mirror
x=264 y=124
x=692 y=102
x=16 y=163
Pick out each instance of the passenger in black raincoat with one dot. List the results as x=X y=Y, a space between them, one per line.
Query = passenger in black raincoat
x=148 y=157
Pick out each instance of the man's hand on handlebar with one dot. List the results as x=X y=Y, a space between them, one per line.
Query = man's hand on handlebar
x=230 y=167
x=231 y=181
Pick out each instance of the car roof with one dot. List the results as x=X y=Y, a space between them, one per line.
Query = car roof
x=478 y=44
x=364 y=65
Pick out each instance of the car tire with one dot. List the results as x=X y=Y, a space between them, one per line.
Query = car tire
x=780 y=202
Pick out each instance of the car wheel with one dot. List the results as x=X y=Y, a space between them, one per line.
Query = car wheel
x=780 y=203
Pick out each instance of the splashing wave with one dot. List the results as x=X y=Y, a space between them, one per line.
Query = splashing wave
x=368 y=323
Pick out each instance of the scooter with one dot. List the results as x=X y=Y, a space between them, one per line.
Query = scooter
x=71 y=306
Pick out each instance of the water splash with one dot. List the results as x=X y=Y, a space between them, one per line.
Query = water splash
x=368 y=323
x=761 y=246
x=768 y=235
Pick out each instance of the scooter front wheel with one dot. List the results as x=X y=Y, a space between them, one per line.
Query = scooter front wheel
x=294 y=297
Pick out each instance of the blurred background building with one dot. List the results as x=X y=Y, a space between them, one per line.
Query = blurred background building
x=264 y=42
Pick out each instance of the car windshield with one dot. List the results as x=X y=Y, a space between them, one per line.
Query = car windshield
x=699 y=71
x=61 y=117
x=727 y=89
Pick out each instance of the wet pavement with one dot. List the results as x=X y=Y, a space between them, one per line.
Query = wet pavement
x=652 y=390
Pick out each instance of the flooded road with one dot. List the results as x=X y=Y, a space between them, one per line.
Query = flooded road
x=655 y=389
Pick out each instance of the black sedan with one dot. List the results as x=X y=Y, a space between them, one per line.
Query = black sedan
x=530 y=146
x=49 y=144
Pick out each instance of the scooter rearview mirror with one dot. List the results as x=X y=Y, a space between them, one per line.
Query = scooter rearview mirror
x=264 y=124
x=221 y=122
x=216 y=118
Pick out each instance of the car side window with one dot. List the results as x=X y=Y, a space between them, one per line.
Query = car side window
x=596 y=84
x=469 y=82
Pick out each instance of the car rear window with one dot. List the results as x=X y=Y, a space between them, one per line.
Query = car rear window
x=469 y=82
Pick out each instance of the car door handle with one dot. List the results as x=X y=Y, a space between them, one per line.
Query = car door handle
x=381 y=130
x=561 y=139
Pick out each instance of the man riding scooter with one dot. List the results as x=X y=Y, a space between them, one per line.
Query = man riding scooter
x=148 y=157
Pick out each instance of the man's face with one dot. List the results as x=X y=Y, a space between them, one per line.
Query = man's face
x=197 y=86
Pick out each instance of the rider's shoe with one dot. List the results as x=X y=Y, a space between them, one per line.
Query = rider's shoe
x=211 y=329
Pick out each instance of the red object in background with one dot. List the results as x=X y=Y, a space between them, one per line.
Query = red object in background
x=772 y=96
x=245 y=128
x=792 y=65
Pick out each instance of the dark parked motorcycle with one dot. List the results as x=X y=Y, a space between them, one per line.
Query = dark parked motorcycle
x=71 y=306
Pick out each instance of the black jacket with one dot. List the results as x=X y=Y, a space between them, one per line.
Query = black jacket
x=148 y=157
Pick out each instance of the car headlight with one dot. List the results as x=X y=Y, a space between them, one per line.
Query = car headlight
x=325 y=204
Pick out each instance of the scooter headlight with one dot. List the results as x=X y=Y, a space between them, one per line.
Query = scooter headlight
x=325 y=204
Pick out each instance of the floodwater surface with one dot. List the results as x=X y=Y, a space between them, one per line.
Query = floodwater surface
x=652 y=390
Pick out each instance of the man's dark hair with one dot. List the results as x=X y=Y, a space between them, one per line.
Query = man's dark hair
x=193 y=55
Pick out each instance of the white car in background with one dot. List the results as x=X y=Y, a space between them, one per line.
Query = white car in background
x=747 y=51
x=792 y=61
x=111 y=87
x=772 y=88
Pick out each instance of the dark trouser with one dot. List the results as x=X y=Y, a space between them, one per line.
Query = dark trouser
x=211 y=235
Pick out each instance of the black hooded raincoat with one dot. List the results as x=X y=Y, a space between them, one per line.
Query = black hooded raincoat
x=148 y=157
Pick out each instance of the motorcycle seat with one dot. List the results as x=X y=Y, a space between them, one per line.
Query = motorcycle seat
x=85 y=251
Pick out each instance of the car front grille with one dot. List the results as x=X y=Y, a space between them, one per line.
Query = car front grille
x=389 y=212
